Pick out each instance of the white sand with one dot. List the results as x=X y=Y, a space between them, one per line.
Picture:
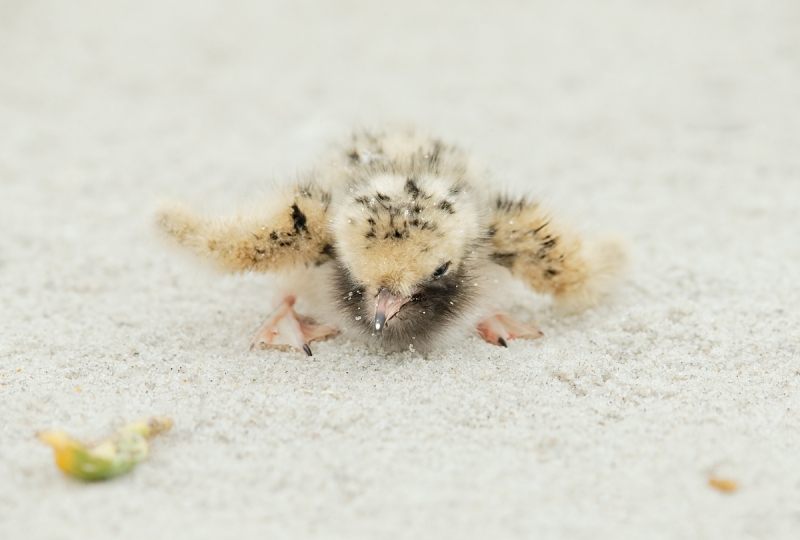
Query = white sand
x=677 y=124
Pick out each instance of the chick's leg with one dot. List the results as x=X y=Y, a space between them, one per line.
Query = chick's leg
x=285 y=327
x=499 y=328
x=550 y=257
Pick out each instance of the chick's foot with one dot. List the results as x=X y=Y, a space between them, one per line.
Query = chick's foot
x=499 y=328
x=285 y=327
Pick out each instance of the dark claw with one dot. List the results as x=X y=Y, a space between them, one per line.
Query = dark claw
x=307 y=349
x=502 y=342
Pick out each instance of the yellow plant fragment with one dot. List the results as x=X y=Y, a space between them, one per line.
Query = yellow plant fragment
x=111 y=457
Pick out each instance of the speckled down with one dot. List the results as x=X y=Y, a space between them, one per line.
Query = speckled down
x=674 y=123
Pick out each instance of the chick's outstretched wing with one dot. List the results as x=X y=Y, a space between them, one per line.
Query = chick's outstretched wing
x=290 y=229
x=549 y=256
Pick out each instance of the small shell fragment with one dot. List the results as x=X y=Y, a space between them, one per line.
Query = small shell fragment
x=724 y=485
x=111 y=457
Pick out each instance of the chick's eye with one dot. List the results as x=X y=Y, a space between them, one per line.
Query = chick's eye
x=442 y=270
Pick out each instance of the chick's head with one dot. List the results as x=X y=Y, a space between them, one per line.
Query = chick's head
x=407 y=246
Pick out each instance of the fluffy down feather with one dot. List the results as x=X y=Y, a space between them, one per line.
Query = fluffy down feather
x=398 y=234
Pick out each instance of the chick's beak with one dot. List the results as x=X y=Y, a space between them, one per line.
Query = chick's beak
x=386 y=306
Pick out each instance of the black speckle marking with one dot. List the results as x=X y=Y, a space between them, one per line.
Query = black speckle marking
x=383 y=197
x=428 y=226
x=490 y=232
x=504 y=259
x=362 y=200
x=412 y=188
x=455 y=190
x=326 y=199
x=507 y=205
x=371 y=221
x=550 y=272
x=539 y=228
x=434 y=155
x=549 y=243
x=273 y=235
x=447 y=206
x=354 y=157
x=370 y=234
x=328 y=250
x=299 y=219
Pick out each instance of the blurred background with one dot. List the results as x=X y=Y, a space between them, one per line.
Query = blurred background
x=602 y=108
x=214 y=100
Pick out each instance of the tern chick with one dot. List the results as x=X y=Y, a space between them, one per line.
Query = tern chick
x=392 y=239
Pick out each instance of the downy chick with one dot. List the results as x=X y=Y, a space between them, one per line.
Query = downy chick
x=396 y=235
